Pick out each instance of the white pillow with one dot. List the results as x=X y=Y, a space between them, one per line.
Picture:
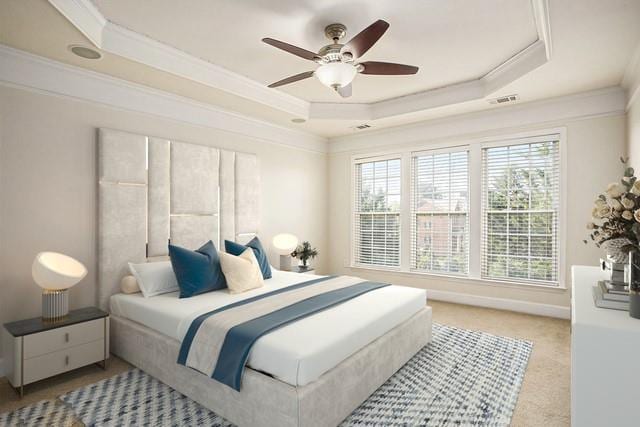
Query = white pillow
x=154 y=278
x=129 y=285
x=241 y=272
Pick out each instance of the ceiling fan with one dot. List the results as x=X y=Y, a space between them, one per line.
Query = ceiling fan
x=338 y=62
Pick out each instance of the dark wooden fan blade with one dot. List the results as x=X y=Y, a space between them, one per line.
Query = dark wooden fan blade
x=387 y=68
x=298 y=51
x=292 y=79
x=345 y=92
x=366 y=38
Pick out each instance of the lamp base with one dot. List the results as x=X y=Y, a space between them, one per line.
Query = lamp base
x=55 y=304
x=285 y=262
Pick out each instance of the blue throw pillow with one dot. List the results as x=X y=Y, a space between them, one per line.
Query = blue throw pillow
x=236 y=249
x=197 y=271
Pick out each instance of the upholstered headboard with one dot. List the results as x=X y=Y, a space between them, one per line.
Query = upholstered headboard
x=153 y=190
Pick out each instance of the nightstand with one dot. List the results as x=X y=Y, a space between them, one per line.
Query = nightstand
x=35 y=349
x=298 y=269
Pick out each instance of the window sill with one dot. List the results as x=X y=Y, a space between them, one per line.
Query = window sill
x=467 y=280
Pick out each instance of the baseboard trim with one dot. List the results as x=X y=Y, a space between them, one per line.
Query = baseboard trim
x=538 y=309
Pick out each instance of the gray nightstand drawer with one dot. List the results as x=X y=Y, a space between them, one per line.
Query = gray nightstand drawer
x=61 y=361
x=63 y=338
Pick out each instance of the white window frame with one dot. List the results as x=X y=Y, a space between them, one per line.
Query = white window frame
x=431 y=152
x=474 y=147
x=352 y=226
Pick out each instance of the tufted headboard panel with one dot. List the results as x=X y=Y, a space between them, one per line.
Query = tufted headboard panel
x=154 y=190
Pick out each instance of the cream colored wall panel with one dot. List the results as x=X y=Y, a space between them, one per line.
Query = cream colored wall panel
x=227 y=195
x=191 y=232
x=122 y=234
x=122 y=157
x=247 y=192
x=159 y=197
x=194 y=179
x=63 y=338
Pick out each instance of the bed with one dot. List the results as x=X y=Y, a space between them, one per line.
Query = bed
x=313 y=372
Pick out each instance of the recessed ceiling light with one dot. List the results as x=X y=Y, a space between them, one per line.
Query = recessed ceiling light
x=298 y=120
x=85 y=52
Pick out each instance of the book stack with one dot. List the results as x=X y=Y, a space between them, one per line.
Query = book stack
x=612 y=295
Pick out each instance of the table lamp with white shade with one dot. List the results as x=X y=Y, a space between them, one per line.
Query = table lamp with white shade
x=284 y=244
x=55 y=273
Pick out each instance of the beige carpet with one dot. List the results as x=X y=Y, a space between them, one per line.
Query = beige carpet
x=544 y=399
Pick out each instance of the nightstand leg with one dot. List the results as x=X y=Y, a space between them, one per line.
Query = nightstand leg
x=18 y=390
x=21 y=367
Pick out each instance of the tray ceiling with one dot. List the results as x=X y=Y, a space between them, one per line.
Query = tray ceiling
x=218 y=58
x=451 y=41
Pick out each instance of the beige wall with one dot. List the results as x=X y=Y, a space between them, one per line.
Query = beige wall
x=594 y=146
x=633 y=133
x=48 y=188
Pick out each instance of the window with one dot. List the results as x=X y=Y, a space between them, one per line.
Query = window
x=377 y=213
x=488 y=210
x=520 y=211
x=439 y=212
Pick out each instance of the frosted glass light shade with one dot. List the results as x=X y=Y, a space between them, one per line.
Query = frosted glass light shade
x=336 y=74
x=55 y=271
x=285 y=243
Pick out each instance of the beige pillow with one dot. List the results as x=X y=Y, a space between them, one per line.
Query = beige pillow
x=241 y=272
x=129 y=285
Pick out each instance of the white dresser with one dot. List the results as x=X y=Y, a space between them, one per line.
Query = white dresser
x=605 y=351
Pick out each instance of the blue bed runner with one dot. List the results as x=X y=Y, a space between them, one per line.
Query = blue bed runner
x=239 y=339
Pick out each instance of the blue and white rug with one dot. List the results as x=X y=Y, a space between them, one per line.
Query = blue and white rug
x=462 y=378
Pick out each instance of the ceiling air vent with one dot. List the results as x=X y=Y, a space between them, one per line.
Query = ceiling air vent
x=361 y=127
x=504 y=99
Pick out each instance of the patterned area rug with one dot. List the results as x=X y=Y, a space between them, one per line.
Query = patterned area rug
x=462 y=378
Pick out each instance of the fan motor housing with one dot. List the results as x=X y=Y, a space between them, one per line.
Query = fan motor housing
x=335 y=31
x=331 y=52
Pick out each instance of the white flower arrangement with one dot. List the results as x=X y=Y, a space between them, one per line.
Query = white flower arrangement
x=616 y=214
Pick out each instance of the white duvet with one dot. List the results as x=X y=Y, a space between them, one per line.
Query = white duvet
x=300 y=352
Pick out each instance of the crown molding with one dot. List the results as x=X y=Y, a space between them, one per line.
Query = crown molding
x=602 y=102
x=631 y=77
x=543 y=23
x=520 y=64
x=84 y=16
x=25 y=70
x=120 y=41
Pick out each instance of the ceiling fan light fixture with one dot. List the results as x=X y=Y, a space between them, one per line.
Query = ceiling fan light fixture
x=336 y=74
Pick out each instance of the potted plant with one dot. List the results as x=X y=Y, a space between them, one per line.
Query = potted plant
x=615 y=227
x=304 y=253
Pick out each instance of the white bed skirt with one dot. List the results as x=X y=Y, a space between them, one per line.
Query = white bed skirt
x=265 y=401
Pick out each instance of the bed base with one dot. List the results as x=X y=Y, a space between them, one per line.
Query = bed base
x=264 y=400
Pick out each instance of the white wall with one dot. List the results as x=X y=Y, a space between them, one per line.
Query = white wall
x=633 y=132
x=593 y=148
x=48 y=183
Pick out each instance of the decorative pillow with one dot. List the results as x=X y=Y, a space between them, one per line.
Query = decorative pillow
x=261 y=255
x=129 y=285
x=197 y=271
x=242 y=272
x=154 y=278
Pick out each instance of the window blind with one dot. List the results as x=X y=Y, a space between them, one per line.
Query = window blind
x=439 y=212
x=377 y=213
x=520 y=209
